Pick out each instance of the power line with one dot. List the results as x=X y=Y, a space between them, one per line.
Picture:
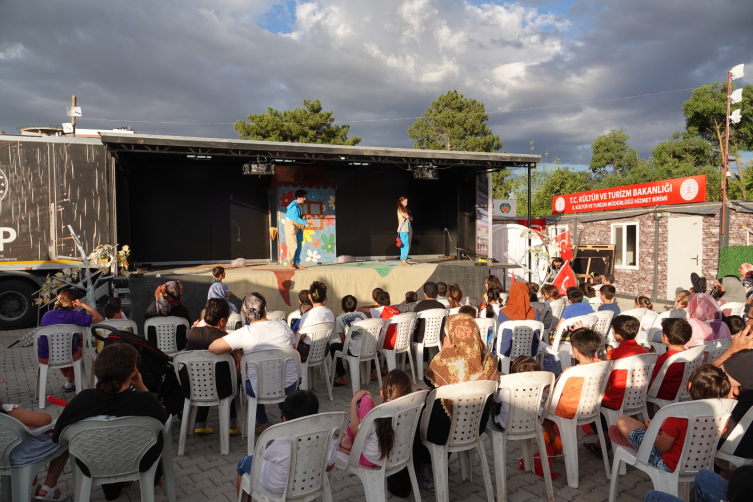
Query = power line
x=605 y=100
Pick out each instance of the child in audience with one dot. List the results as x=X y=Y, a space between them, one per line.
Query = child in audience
x=500 y=412
x=342 y=323
x=442 y=294
x=575 y=306
x=706 y=382
x=735 y=323
x=220 y=290
x=303 y=299
x=675 y=334
x=585 y=344
x=410 y=297
x=275 y=464
x=642 y=302
x=387 y=313
x=116 y=308
x=588 y=293
x=34 y=449
x=596 y=281
x=380 y=438
x=493 y=301
x=318 y=314
x=533 y=290
x=375 y=311
x=549 y=293
x=607 y=293
x=455 y=295
x=468 y=310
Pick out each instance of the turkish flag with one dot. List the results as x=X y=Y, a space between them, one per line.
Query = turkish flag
x=563 y=244
x=565 y=278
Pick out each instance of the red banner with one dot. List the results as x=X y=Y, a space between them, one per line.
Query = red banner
x=657 y=193
x=538 y=224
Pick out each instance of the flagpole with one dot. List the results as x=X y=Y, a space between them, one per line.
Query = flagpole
x=529 y=223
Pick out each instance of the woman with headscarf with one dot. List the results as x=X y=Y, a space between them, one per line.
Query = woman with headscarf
x=705 y=317
x=259 y=334
x=168 y=301
x=518 y=308
x=732 y=289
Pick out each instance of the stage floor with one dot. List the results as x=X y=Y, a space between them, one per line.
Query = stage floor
x=280 y=285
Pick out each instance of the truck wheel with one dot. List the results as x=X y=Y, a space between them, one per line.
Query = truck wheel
x=17 y=309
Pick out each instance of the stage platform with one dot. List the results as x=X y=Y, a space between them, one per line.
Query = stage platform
x=280 y=285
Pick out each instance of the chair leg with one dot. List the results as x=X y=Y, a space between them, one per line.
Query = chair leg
x=327 y=383
x=615 y=478
x=419 y=349
x=602 y=441
x=355 y=374
x=20 y=481
x=6 y=491
x=499 y=457
x=168 y=471
x=485 y=470
x=83 y=489
x=545 y=465
x=410 y=361
x=569 y=436
x=184 y=424
x=439 y=465
x=42 y=385
x=378 y=372
x=78 y=370
x=466 y=466
x=251 y=423
x=146 y=483
x=413 y=481
x=225 y=426
x=526 y=445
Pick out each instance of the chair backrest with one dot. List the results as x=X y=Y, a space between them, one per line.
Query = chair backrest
x=637 y=313
x=736 y=435
x=487 y=328
x=453 y=311
x=734 y=308
x=202 y=373
x=112 y=448
x=404 y=324
x=433 y=321
x=595 y=377
x=128 y=325
x=588 y=321
x=371 y=331
x=235 y=321
x=12 y=433
x=59 y=342
x=706 y=420
x=638 y=368
x=468 y=401
x=526 y=393
x=523 y=333
x=309 y=438
x=270 y=367
x=277 y=315
x=692 y=357
x=603 y=322
x=404 y=413
x=319 y=334
x=557 y=306
x=715 y=348
x=654 y=328
x=166 y=329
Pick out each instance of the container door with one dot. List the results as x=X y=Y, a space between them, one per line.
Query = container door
x=684 y=252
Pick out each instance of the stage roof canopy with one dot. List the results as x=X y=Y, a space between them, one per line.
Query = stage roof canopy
x=302 y=153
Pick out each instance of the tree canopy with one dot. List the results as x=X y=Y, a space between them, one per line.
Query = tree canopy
x=301 y=125
x=611 y=152
x=454 y=122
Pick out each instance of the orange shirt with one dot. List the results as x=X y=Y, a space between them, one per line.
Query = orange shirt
x=570 y=398
x=615 y=392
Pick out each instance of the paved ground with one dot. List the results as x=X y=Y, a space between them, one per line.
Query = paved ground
x=203 y=474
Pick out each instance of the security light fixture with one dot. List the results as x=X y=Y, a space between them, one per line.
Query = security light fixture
x=259 y=168
x=425 y=171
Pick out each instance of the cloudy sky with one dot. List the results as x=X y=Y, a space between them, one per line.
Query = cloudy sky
x=548 y=72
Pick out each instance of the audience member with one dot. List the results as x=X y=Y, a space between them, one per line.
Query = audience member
x=428 y=303
x=375 y=310
x=387 y=313
x=318 y=314
x=549 y=293
x=493 y=300
x=64 y=312
x=608 y=279
x=533 y=291
x=114 y=306
x=575 y=306
x=410 y=297
x=733 y=289
x=501 y=409
x=168 y=301
x=518 y=308
x=607 y=293
x=491 y=281
x=675 y=335
x=303 y=299
x=643 y=302
x=705 y=318
x=442 y=294
x=735 y=323
x=219 y=290
x=455 y=295
x=342 y=323
x=259 y=334
x=596 y=281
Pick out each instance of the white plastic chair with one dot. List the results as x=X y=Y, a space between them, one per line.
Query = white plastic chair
x=523 y=333
x=727 y=450
x=468 y=401
x=235 y=321
x=270 y=376
x=734 y=308
x=360 y=365
x=319 y=334
x=277 y=315
x=309 y=439
x=433 y=322
x=405 y=413
x=562 y=350
x=706 y=419
x=404 y=324
x=602 y=326
x=202 y=380
x=557 y=307
x=167 y=329
x=16 y=481
x=112 y=450
x=693 y=358
x=524 y=424
x=453 y=311
x=60 y=347
x=127 y=325
x=715 y=348
x=293 y=317
x=639 y=369
x=647 y=321
x=647 y=337
x=488 y=331
x=595 y=377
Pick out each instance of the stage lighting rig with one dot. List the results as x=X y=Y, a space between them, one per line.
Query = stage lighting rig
x=259 y=168
x=425 y=172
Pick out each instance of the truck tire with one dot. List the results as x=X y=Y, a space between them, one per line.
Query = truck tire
x=17 y=308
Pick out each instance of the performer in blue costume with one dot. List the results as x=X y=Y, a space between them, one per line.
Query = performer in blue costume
x=294 y=225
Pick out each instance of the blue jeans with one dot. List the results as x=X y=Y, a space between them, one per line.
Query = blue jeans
x=261 y=413
x=709 y=487
x=654 y=496
x=405 y=239
x=299 y=240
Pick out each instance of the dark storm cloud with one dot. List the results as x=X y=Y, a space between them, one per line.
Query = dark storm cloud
x=199 y=61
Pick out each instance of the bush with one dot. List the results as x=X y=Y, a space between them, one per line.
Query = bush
x=732 y=257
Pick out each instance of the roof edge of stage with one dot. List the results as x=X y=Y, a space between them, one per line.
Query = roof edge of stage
x=307 y=151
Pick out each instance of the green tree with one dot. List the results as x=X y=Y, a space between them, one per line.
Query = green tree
x=611 y=153
x=302 y=125
x=548 y=182
x=454 y=122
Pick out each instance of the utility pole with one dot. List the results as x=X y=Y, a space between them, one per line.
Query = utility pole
x=73 y=118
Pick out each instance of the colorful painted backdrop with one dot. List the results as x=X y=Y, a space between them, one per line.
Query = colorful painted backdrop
x=319 y=237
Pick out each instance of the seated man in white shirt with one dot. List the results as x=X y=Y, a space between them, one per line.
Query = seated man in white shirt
x=275 y=464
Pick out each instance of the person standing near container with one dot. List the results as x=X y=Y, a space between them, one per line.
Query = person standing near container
x=404 y=229
x=294 y=225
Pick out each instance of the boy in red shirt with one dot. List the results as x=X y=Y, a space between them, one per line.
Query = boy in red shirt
x=706 y=382
x=675 y=334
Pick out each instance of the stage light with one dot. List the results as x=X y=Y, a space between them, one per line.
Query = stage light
x=425 y=172
x=259 y=168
